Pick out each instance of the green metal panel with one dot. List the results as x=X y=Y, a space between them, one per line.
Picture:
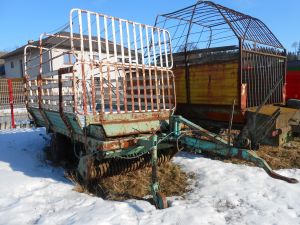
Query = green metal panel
x=73 y=121
x=56 y=121
x=121 y=129
x=37 y=116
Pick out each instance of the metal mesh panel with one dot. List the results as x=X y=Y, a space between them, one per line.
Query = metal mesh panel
x=262 y=71
x=12 y=104
x=16 y=88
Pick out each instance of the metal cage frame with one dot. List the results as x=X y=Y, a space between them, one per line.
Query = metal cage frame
x=261 y=56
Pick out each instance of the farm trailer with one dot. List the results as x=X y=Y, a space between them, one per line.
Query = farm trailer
x=113 y=107
x=229 y=66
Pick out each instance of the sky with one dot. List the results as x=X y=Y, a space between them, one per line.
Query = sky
x=23 y=20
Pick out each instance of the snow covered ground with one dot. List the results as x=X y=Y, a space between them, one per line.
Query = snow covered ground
x=33 y=192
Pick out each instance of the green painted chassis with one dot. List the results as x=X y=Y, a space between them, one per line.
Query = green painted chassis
x=120 y=141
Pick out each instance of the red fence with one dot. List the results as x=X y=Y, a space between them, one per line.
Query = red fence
x=13 y=112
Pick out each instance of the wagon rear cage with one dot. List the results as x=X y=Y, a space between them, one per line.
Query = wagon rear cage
x=207 y=32
x=119 y=73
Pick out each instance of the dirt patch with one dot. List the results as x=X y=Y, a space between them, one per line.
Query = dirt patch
x=284 y=157
x=173 y=182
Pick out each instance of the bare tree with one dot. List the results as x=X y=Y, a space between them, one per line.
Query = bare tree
x=295 y=45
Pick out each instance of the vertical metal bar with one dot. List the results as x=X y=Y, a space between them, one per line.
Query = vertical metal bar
x=255 y=92
x=280 y=90
x=81 y=35
x=275 y=79
x=262 y=87
x=91 y=62
x=123 y=69
x=256 y=81
x=11 y=103
x=273 y=98
x=153 y=46
x=121 y=40
x=268 y=85
x=106 y=38
x=39 y=77
x=117 y=89
x=71 y=32
x=161 y=65
x=137 y=69
x=99 y=37
x=267 y=89
x=128 y=42
x=163 y=88
x=155 y=70
x=143 y=68
x=93 y=88
x=116 y=61
x=142 y=44
x=109 y=89
x=125 y=89
x=239 y=77
x=131 y=89
x=102 y=89
x=130 y=69
x=74 y=81
x=230 y=122
x=90 y=36
x=166 y=50
x=135 y=43
x=247 y=73
x=149 y=70
x=151 y=90
x=167 y=65
x=159 y=46
x=148 y=47
x=83 y=81
x=279 y=74
x=252 y=59
x=256 y=76
x=284 y=71
x=114 y=38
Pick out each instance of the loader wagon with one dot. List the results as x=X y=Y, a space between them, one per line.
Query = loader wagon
x=111 y=106
x=229 y=68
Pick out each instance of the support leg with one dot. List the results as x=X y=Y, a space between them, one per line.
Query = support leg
x=159 y=199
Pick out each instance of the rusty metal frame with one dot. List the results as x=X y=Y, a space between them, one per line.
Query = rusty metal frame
x=120 y=68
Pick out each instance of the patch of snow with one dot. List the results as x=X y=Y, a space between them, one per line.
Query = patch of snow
x=33 y=192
